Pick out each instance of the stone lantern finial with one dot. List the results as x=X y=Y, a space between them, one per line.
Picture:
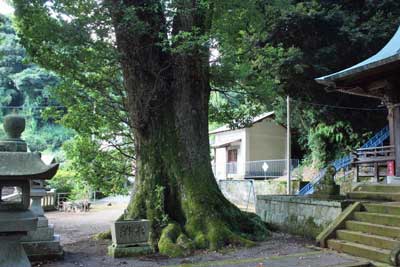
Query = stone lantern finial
x=14 y=125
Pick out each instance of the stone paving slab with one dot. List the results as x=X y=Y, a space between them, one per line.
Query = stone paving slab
x=309 y=259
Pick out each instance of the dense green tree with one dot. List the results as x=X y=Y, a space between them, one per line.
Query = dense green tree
x=25 y=88
x=161 y=49
x=149 y=63
x=281 y=50
x=11 y=63
x=28 y=89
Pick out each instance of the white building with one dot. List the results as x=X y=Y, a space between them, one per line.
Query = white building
x=258 y=151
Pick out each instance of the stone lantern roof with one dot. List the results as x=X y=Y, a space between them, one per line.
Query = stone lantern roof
x=17 y=165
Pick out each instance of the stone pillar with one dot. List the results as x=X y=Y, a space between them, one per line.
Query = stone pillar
x=37 y=195
x=43 y=243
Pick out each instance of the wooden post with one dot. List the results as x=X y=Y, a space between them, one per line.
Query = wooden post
x=376 y=172
x=390 y=118
x=396 y=139
x=356 y=173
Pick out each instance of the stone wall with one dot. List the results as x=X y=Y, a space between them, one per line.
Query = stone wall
x=243 y=192
x=298 y=215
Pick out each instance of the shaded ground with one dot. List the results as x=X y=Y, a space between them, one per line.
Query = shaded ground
x=77 y=230
x=91 y=253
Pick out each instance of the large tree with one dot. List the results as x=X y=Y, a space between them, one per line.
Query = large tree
x=162 y=49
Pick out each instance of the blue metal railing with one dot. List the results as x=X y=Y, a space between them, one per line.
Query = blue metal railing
x=376 y=140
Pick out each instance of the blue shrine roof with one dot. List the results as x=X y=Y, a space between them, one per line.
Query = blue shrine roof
x=387 y=55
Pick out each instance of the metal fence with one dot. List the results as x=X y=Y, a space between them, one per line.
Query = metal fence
x=255 y=169
x=268 y=168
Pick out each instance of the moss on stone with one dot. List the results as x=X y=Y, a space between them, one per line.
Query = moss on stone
x=168 y=245
x=184 y=242
x=103 y=236
x=200 y=241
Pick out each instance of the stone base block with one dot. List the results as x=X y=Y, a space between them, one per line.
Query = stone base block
x=124 y=251
x=44 y=250
x=42 y=222
x=41 y=234
x=12 y=254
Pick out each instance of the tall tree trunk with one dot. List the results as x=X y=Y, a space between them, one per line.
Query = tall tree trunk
x=168 y=94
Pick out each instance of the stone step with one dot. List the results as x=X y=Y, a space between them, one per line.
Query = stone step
x=387 y=188
x=377 y=218
x=376 y=229
x=360 y=250
x=384 y=208
x=367 y=239
x=374 y=196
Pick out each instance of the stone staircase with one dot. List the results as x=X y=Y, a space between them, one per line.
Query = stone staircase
x=371 y=228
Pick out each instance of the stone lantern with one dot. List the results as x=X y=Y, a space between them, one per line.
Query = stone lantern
x=17 y=169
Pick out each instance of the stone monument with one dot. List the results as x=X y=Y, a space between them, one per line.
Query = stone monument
x=130 y=238
x=17 y=168
x=327 y=187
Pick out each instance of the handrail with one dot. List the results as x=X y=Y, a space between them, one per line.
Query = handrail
x=372 y=148
x=376 y=140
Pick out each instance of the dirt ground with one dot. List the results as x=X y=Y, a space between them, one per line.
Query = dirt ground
x=74 y=227
x=77 y=231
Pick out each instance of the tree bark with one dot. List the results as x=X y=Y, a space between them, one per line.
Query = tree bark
x=168 y=93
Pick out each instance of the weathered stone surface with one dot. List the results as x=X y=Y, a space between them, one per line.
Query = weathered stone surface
x=12 y=254
x=41 y=234
x=14 y=125
x=42 y=222
x=299 y=215
x=25 y=166
x=44 y=250
x=22 y=221
x=130 y=232
x=327 y=184
x=121 y=251
x=36 y=206
x=43 y=244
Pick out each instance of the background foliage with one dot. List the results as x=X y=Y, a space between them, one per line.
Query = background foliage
x=263 y=50
x=55 y=116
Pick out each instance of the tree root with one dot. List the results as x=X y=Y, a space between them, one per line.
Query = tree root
x=176 y=241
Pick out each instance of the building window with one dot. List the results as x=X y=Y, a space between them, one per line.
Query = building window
x=232 y=161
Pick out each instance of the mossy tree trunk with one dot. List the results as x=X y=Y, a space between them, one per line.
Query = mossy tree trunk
x=168 y=93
